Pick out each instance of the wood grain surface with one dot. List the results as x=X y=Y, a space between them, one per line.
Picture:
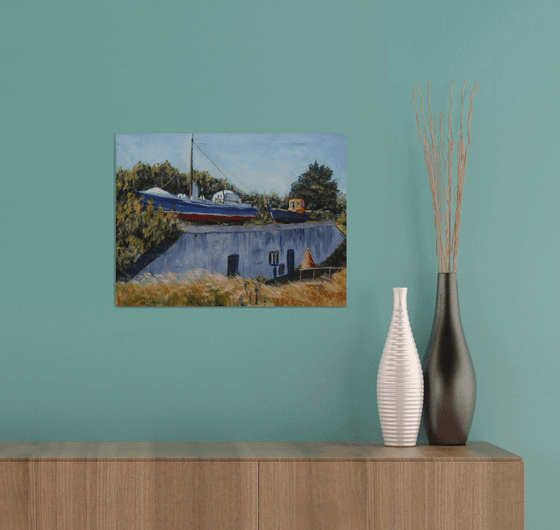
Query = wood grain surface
x=313 y=495
x=249 y=450
x=259 y=486
x=395 y=495
x=135 y=495
x=444 y=495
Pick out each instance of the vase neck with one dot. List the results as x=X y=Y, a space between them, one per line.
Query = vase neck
x=399 y=297
x=447 y=291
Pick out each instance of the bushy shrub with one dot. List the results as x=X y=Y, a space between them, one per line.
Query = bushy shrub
x=139 y=230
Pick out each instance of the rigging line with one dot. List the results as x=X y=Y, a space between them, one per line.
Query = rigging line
x=210 y=160
x=174 y=176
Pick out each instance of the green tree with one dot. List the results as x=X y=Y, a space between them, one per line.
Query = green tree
x=263 y=201
x=139 y=230
x=317 y=188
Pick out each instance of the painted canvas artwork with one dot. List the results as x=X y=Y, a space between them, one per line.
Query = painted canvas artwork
x=248 y=220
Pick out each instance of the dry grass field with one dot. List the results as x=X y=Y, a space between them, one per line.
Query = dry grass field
x=218 y=290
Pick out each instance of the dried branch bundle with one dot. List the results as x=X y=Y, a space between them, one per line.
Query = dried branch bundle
x=438 y=152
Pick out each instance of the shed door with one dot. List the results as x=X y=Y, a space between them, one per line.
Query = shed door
x=233 y=265
x=290 y=259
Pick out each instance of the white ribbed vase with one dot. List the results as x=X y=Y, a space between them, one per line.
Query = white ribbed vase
x=400 y=383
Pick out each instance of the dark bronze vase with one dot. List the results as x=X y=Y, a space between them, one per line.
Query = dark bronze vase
x=449 y=379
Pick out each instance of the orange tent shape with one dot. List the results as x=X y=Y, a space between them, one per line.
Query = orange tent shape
x=308 y=262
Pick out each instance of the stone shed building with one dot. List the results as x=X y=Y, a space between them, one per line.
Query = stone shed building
x=272 y=251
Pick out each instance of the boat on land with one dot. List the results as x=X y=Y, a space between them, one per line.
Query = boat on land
x=296 y=212
x=225 y=205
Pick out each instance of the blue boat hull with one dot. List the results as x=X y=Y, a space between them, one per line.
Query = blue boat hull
x=286 y=216
x=193 y=210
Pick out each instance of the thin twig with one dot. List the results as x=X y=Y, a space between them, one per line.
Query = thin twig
x=446 y=219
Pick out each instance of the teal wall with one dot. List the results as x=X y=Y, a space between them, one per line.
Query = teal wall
x=74 y=367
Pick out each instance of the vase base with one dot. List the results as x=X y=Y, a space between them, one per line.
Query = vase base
x=446 y=445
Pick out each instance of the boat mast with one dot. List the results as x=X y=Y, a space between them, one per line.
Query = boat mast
x=191 y=180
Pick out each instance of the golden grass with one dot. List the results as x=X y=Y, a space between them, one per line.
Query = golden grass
x=218 y=290
x=316 y=293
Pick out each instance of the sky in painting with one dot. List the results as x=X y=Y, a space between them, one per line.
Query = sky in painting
x=264 y=163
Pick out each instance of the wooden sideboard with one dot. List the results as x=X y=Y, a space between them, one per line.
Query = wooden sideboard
x=259 y=486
